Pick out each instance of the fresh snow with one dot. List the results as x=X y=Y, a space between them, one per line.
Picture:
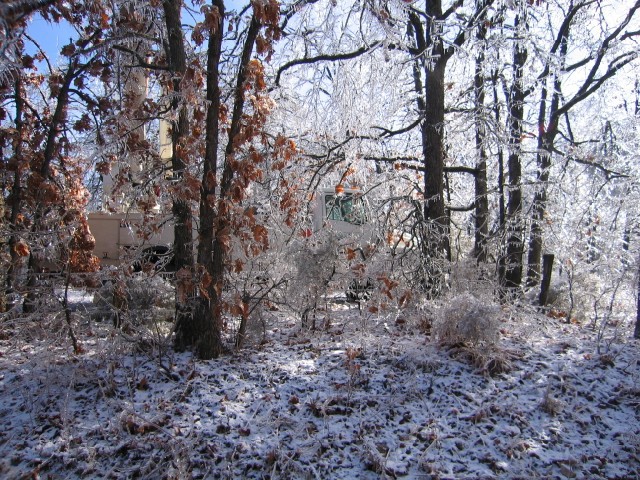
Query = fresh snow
x=364 y=398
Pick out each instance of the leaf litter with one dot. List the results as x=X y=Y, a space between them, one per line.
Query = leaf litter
x=360 y=399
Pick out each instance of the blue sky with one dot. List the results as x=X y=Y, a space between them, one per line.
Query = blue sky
x=52 y=37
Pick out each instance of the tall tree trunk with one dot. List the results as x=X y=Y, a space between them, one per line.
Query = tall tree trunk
x=214 y=214
x=430 y=60
x=206 y=318
x=512 y=259
x=432 y=131
x=546 y=137
x=481 y=193
x=51 y=148
x=433 y=162
x=496 y=113
x=538 y=208
x=430 y=103
x=547 y=269
x=186 y=335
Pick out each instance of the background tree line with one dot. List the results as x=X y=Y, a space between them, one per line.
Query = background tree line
x=486 y=130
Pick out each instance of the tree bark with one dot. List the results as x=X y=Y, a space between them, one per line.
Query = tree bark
x=537 y=216
x=546 y=137
x=214 y=216
x=496 y=114
x=430 y=63
x=481 y=192
x=511 y=267
x=16 y=191
x=433 y=161
x=432 y=132
x=547 y=269
x=50 y=150
x=430 y=103
x=185 y=333
x=207 y=314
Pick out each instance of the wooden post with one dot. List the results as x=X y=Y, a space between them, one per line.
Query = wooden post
x=547 y=268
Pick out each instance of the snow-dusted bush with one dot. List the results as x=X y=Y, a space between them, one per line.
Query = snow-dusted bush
x=315 y=266
x=467 y=276
x=469 y=321
x=143 y=298
x=573 y=293
x=594 y=295
x=153 y=293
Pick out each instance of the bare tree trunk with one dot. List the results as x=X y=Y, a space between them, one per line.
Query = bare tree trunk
x=432 y=142
x=51 y=148
x=206 y=319
x=539 y=200
x=430 y=62
x=546 y=138
x=430 y=102
x=215 y=224
x=547 y=269
x=481 y=193
x=16 y=193
x=186 y=335
x=502 y=215
x=512 y=259
x=433 y=153
x=537 y=215
x=435 y=241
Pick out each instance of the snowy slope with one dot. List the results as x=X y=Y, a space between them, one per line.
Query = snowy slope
x=361 y=400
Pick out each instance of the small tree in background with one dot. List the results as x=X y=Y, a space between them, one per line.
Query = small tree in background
x=43 y=168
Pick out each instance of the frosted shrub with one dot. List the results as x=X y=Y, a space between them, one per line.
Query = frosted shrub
x=144 y=298
x=314 y=268
x=468 y=276
x=151 y=293
x=472 y=328
x=468 y=321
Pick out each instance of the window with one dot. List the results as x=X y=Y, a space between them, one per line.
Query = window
x=348 y=208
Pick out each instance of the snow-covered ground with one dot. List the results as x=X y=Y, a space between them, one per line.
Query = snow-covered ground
x=364 y=398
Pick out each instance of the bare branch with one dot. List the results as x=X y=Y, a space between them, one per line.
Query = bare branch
x=141 y=60
x=292 y=10
x=13 y=11
x=402 y=162
x=325 y=58
x=390 y=133
x=608 y=173
x=468 y=208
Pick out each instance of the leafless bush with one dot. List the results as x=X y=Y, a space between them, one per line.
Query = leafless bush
x=471 y=331
x=315 y=267
x=468 y=276
x=467 y=321
x=490 y=361
x=142 y=298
